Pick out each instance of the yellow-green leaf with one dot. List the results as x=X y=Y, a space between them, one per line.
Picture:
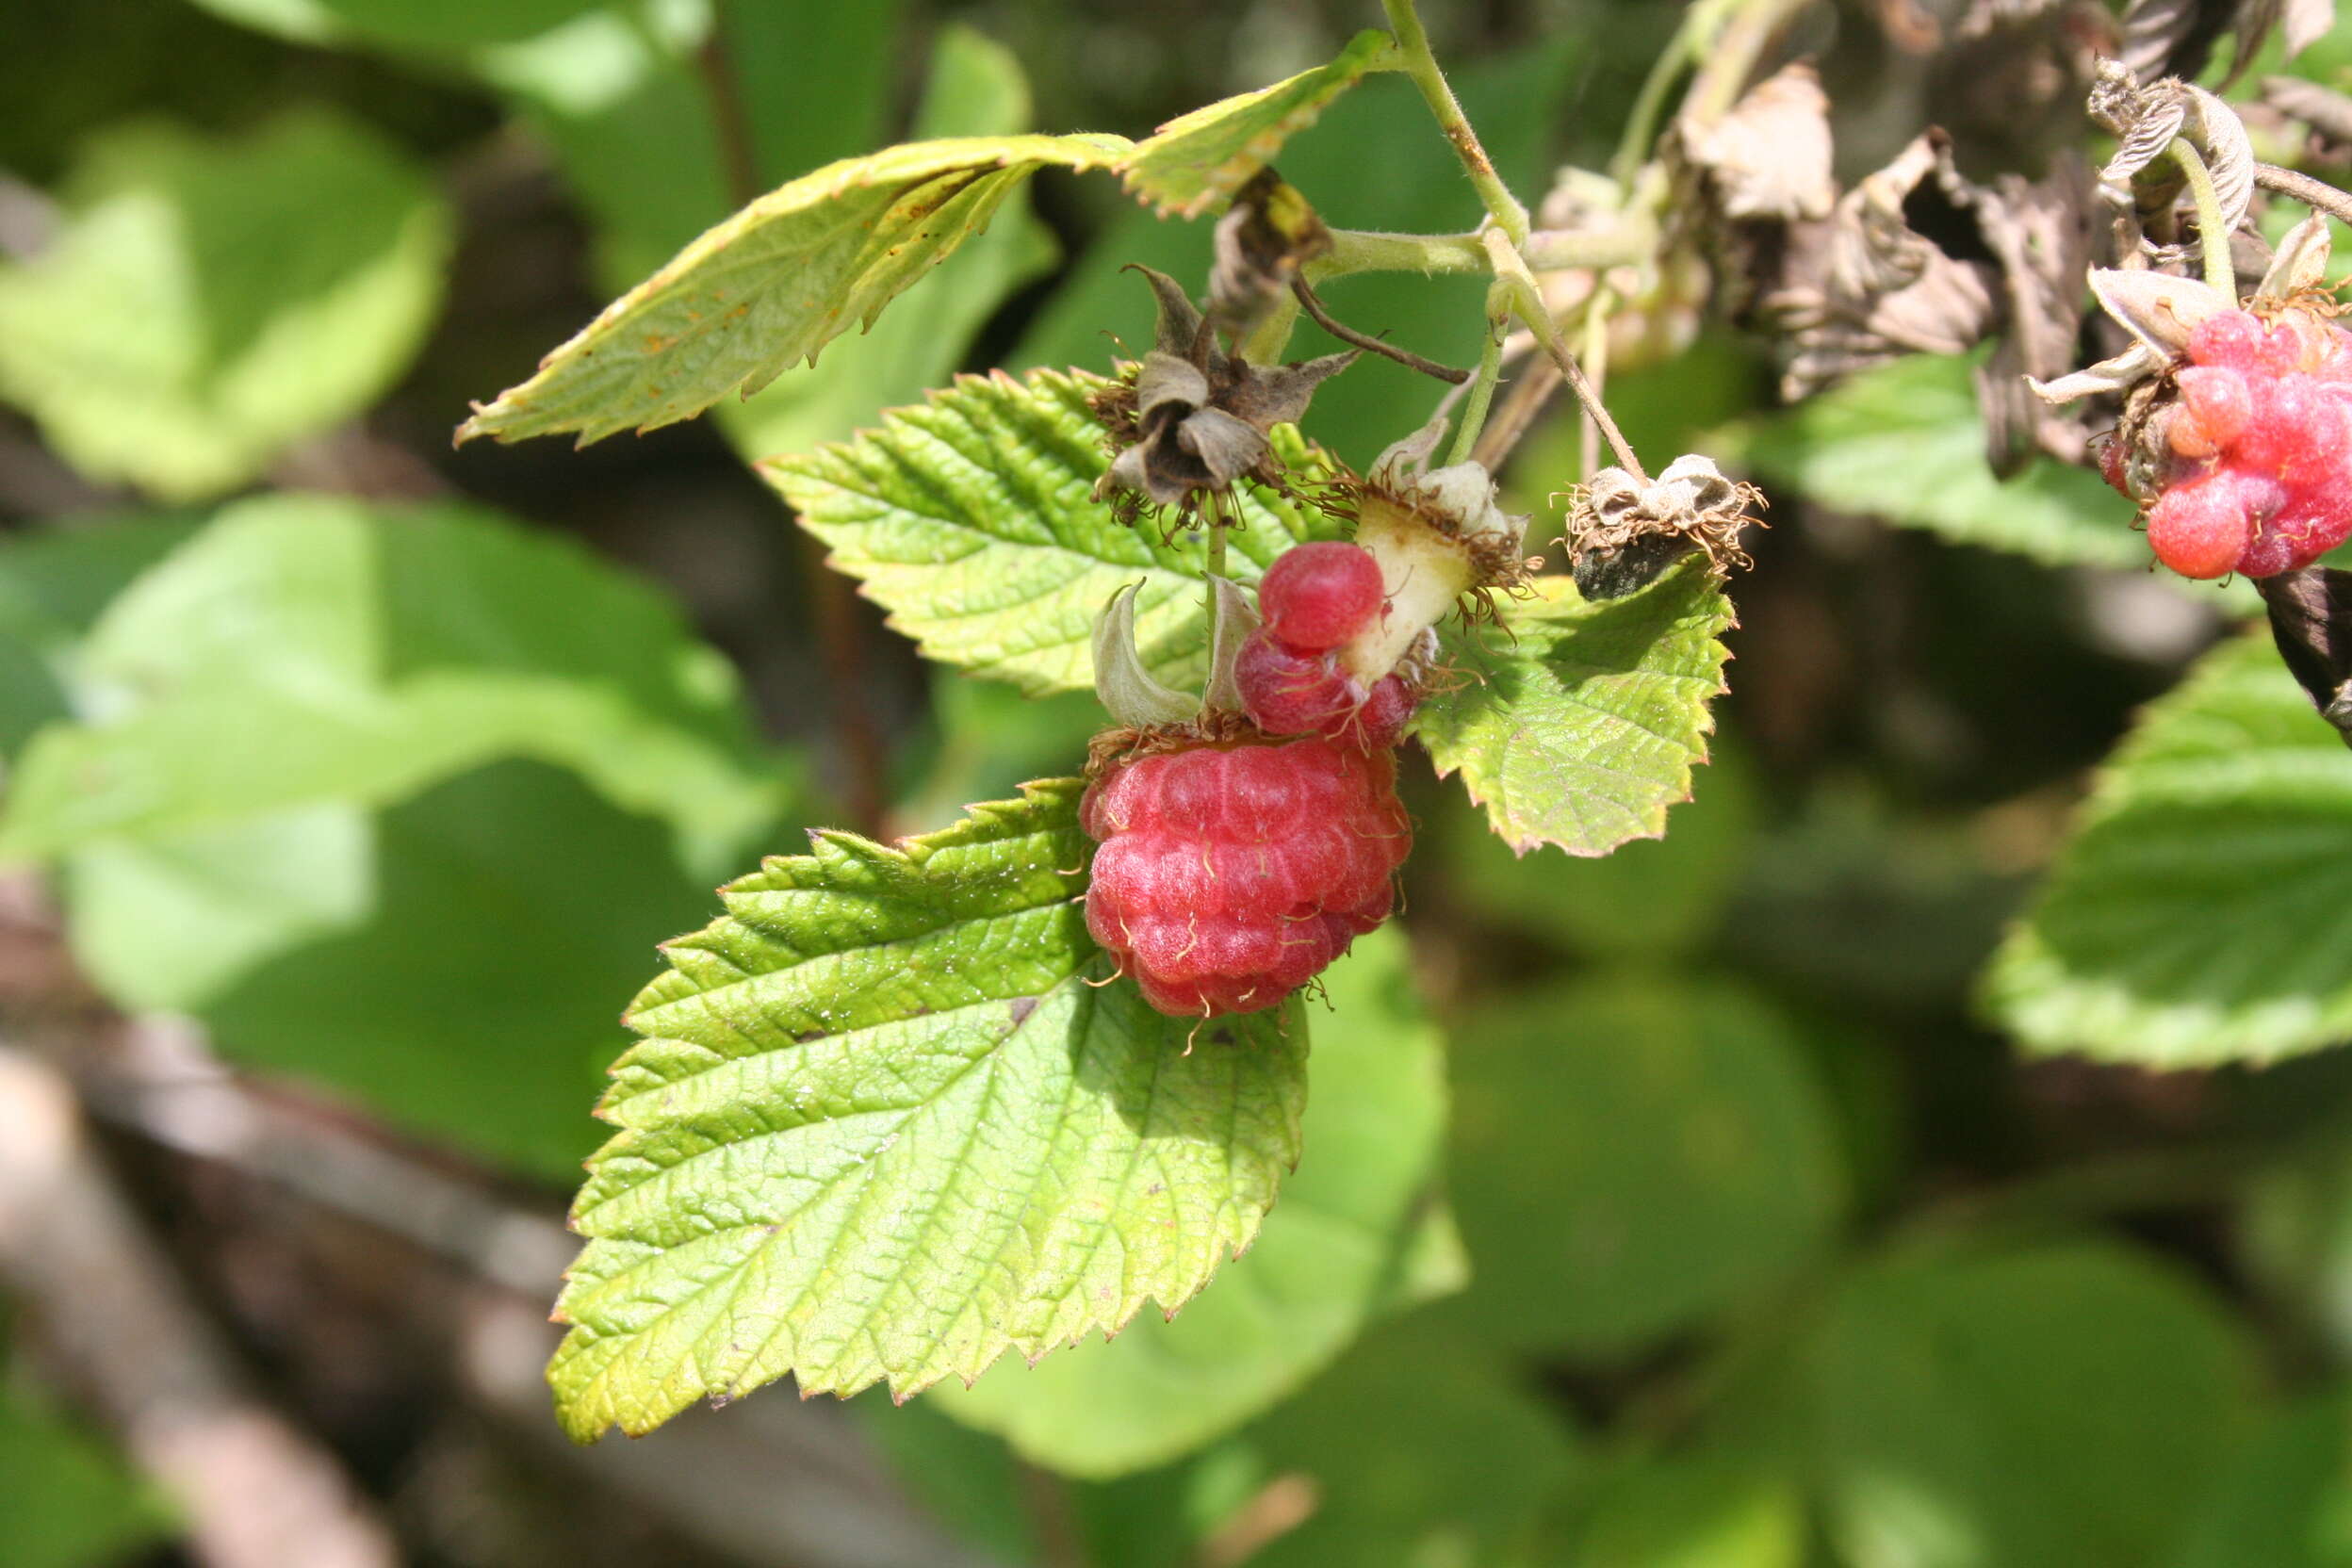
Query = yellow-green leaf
x=773 y=285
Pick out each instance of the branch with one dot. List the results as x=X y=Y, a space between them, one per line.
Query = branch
x=1314 y=307
x=2303 y=188
x=1422 y=67
x=256 y=1491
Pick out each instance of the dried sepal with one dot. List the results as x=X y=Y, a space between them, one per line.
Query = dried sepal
x=2109 y=376
x=2146 y=118
x=1129 y=691
x=2159 y=309
x=2300 y=263
x=1237 y=618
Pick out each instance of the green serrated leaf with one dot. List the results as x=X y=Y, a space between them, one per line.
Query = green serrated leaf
x=2197 y=916
x=975 y=88
x=194 y=316
x=883 y=1128
x=773 y=285
x=1199 y=159
x=1906 y=442
x=1331 y=1257
x=970 y=519
x=1579 y=723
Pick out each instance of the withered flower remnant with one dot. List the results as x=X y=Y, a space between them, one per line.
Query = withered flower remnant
x=1622 y=532
x=1193 y=419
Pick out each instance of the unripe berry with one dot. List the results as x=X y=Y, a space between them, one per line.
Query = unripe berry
x=1317 y=596
x=1229 y=874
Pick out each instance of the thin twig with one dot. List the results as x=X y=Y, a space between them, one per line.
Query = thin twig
x=2303 y=188
x=1482 y=389
x=254 y=1491
x=1529 y=391
x=1347 y=335
x=1528 y=301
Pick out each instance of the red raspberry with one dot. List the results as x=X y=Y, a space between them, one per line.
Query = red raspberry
x=2252 y=464
x=1231 y=874
x=1316 y=596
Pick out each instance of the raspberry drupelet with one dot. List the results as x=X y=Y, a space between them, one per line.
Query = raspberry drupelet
x=1231 y=874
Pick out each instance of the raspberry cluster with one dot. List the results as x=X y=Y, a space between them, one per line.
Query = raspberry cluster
x=1231 y=874
x=2252 y=461
x=1314 y=599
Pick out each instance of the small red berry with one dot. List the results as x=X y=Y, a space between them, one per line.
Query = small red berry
x=1317 y=596
x=1230 y=875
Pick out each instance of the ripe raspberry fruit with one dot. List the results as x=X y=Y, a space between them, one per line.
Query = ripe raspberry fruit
x=2248 y=468
x=1287 y=689
x=1317 y=596
x=1231 y=874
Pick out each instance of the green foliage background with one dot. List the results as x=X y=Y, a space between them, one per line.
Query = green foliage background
x=1930 y=1154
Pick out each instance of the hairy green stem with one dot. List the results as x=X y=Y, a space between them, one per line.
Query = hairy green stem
x=1528 y=302
x=1421 y=65
x=1633 y=147
x=1271 y=336
x=1483 y=387
x=2212 y=231
x=1627 y=244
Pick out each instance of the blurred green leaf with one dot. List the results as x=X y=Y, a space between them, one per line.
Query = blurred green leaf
x=1328 y=1257
x=1632 y=1154
x=882 y=1127
x=989 y=739
x=976 y=89
x=1696 y=1511
x=969 y=1481
x=2058 y=1407
x=66 y=1501
x=1580 y=722
x=1905 y=443
x=195 y=315
x=52 y=584
x=623 y=96
x=448 y=1001
x=1650 y=900
x=775 y=283
x=355 y=656
x=431 y=26
x=2286 y=1502
x=1199 y=159
x=2196 y=914
x=1417 y=1449
x=970 y=519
